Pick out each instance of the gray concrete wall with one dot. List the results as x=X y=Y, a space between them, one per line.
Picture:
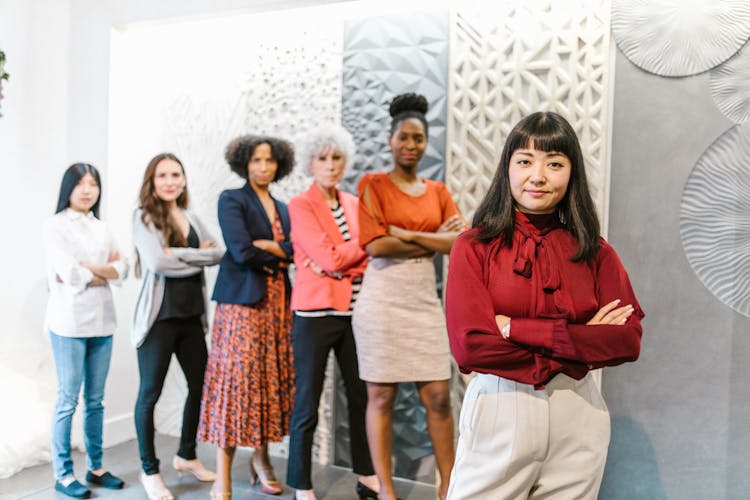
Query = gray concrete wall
x=681 y=414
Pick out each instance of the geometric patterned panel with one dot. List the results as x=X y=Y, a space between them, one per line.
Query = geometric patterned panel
x=730 y=86
x=679 y=37
x=518 y=57
x=384 y=57
x=715 y=218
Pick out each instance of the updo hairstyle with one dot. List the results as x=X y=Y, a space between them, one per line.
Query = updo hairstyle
x=407 y=106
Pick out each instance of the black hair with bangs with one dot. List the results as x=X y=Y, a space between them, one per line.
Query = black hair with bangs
x=545 y=131
x=70 y=180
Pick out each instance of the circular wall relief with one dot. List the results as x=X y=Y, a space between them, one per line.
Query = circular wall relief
x=680 y=37
x=730 y=86
x=715 y=218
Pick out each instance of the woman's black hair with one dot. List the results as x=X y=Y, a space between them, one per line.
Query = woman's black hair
x=241 y=149
x=70 y=180
x=545 y=131
x=406 y=106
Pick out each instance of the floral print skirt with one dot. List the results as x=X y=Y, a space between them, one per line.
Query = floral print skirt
x=248 y=388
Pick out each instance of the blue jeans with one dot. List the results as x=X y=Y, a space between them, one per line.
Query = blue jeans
x=79 y=361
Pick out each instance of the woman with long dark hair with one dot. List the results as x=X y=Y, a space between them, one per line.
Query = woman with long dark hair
x=535 y=300
x=170 y=314
x=247 y=396
x=82 y=260
x=398 y=319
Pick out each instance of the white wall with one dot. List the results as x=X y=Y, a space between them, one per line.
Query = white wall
x=33 y=153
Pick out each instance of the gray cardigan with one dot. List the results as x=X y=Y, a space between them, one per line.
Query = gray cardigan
x=157 y=265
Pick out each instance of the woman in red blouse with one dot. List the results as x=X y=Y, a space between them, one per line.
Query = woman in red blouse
x=535 y=300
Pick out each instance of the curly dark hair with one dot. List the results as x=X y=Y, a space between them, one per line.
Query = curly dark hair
x=547 y=131
x=409 y=105
x=155 y=210
x=241 y=149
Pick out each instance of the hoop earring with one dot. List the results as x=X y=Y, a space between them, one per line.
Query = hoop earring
x=561 y=216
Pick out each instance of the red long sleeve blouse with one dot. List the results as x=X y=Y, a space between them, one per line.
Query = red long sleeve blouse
x=548 y=298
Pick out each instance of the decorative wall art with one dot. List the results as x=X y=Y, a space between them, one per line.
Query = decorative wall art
x=679 y=37
x=730 y=86
x=715 y=218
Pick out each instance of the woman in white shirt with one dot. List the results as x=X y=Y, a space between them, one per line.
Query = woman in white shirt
x=82 y=260
x=170 y=312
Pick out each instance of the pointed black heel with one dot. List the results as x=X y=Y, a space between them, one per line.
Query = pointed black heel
x=365 y=493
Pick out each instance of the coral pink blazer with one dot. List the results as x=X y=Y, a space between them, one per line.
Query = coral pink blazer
x=317 y=238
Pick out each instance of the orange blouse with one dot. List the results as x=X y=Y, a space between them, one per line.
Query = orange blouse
x=392 y=206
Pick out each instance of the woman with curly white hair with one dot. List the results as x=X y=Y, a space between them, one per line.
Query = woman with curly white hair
x=330 y=264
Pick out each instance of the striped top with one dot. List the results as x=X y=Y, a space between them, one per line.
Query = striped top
x=338 y=216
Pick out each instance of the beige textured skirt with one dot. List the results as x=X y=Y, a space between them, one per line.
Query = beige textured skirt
x=399 y=323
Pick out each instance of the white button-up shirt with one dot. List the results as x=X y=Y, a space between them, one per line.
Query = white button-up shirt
x=75 y=310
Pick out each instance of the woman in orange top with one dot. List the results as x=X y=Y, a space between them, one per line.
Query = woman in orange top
x=398 y=319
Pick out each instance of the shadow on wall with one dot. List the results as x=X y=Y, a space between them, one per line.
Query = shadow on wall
x=632 y=470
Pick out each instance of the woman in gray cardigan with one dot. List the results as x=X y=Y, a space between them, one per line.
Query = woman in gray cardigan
x=170 y=314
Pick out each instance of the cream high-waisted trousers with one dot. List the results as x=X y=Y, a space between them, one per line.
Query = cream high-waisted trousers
x=516 y=442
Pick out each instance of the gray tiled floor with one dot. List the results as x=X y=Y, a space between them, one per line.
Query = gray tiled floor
x=331 y=483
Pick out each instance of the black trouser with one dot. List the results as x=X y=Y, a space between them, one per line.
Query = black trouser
x=185 y=338
x=312 y=340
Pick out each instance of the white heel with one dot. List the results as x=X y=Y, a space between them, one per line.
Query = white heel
x=155 y=487
x=304 y=495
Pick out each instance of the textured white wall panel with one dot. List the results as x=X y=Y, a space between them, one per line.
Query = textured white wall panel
x=516 y=57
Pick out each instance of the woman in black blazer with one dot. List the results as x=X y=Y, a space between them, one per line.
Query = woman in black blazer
x=249 y=379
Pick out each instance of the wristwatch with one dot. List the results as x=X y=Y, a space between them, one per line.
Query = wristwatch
x=505 y=330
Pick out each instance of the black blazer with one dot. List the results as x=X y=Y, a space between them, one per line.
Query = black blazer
x=244 y=267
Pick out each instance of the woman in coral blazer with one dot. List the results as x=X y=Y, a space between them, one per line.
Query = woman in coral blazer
x=319 y=241
x=330 y=264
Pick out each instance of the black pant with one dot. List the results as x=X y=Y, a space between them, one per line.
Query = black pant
x=312 y=340
x=185 y=338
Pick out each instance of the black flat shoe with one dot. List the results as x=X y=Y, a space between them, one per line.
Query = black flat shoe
x=74 y=489
x=365 y=493
x=106 y=480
